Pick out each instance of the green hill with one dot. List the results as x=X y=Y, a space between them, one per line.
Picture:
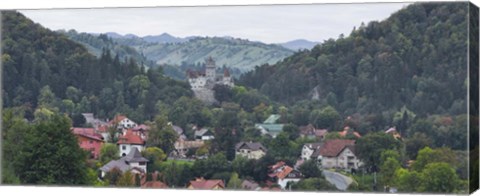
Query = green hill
x=415 y=58
x=234 y=53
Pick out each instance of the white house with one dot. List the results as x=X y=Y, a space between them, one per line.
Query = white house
x=250 y=150
x=203 y=134
x=133 y=162
x=339 y=154
x=122 y=122
x=129 y=141
x=283 y=174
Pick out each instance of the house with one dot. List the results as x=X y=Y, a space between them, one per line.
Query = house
x=203 y=134
x=94 y=122
x=201 y=183
x=270 y=126
x=182 y=146
x=250 y=185
x=349 y=131
x=393 y=131
x=89 y=140
x=122 y=122
x=309 y=131
x=308 y=150
x=338 y=153
x=128 y=141
x=250 y=150
x=282 y=174
x=133 y=162
x=141 y=130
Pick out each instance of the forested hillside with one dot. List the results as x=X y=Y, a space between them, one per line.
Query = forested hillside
x=416 y=58
x=409 y=70
x=45 y=67
x=97 y=43
x=236 y=53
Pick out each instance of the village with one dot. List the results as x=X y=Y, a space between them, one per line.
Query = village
x=332 y=155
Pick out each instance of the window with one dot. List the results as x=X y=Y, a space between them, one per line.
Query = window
x=91 y=142
x=141 y=163
x=124 y=147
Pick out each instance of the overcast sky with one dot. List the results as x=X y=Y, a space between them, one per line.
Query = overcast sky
x=269 y=24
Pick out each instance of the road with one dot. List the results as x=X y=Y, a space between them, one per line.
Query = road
x=340 y=181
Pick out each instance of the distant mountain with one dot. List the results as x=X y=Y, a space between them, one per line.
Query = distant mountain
x=299 y=44
x=231 y=52
x=163 y=38
x=236 y=53
x=95 y=43
x=113 y=35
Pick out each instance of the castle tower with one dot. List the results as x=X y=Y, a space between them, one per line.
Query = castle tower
x=227 y=80
x=210 y=69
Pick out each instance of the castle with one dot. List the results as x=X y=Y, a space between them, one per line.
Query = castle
x=208 y=79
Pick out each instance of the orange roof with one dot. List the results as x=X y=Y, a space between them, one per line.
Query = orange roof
x=130 y=138
x=206 y=184
x=284 y=172
x=87 y=133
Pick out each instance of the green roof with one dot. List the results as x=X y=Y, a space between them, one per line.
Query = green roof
x=271 y=127
x=272 y=119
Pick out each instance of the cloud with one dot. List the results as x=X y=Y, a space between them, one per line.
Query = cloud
x=269 y=24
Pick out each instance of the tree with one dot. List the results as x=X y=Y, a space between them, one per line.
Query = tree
x=406 y=181
x=243 y=166
x=370 y=147
x=108 y=152
x=222 y=93
x=325 y=118
x=126 y=180
x=415 y=143
x=112 y=176
x=155 y=157
x=162 y=135
x=313 y=184
x=439 y=178
x=388 y=168
x=46 y=97
x=292 y=131
x=428 y=155
x=234 y=182
x=310 y=169
x=51 y=155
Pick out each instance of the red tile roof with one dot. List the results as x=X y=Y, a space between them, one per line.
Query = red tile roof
x=332 y=148
x=87 y=132
x=284 y=172
x=130 y=138
x=206 y=184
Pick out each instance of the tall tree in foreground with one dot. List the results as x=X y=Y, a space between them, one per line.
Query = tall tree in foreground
x=50 y=154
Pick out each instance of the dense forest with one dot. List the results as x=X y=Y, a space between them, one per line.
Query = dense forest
x=97 y=43
x=40 y=63
x=410 y=66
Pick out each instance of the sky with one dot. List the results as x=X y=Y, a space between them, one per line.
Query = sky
x=268 y=24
